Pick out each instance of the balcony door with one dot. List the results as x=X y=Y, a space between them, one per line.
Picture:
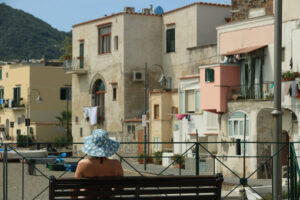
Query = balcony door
x=81 y=55
x=99 y=94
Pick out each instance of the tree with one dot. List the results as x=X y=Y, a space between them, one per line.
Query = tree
x=66 y=49
x=64 y=120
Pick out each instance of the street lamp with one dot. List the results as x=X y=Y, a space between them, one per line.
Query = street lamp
x=27 y=120
x=162 y=81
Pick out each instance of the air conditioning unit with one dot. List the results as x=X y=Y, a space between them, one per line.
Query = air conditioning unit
x=129 y=9
x=138 y=76
x=146 y=11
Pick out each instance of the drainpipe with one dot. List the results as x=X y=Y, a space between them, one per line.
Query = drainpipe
x=277 y=113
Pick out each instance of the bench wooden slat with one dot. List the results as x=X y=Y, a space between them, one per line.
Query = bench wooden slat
x=162 y=187
x=141 y=191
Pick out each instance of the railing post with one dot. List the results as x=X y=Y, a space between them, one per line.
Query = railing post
x=197 y=159
x=22 y=178
x=180 y=166
x=5 y=173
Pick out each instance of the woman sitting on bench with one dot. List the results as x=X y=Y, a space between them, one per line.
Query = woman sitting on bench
x=99 y=147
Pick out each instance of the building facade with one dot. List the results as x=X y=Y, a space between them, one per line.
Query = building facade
x=110 y=55
x=21 y=84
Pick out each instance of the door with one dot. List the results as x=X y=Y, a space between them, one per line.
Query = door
x=140 y=139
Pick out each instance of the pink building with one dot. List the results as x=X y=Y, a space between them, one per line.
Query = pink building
x=217 y=84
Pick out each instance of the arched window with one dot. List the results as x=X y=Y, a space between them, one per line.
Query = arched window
x=99 y=97
x=238 y=126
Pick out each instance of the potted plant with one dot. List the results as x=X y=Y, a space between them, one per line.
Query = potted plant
x=289 y=75
x=178 y=160
x=141 y=159
x=157 y=157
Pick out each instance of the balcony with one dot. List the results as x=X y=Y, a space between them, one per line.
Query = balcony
x=14 y=105
x=77 y=66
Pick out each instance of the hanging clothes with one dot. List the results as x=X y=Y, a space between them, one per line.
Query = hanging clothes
x=257 y=79
x=293 y=89
x=93 y=115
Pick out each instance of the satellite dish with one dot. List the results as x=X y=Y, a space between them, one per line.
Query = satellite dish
x=159 y=10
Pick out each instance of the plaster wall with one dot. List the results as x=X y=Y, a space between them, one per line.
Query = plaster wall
x=251 y=108
x=206 y=29
x=40 y=80
x=290 y=10
x=107 y=67
x=214 y=95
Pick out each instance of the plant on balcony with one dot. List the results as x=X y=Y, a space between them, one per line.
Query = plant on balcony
x=289 y=75
x=157 y=157
x=179 y=160
x=66 y=50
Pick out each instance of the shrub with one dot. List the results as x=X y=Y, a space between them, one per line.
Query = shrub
x=157 y=157
x=178 y=158
x=22 y=141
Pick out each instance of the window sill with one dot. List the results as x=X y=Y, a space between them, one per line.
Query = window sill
x=171 y=52
x=102 y=54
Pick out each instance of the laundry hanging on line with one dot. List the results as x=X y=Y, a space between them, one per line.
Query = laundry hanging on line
x=90 y=114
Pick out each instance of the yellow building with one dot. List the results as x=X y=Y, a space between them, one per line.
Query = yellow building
x=20 y=85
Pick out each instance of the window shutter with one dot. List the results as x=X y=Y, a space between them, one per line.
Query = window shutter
x=211 y=78
x=0 y=74
x=182 y=102
x=197 y=100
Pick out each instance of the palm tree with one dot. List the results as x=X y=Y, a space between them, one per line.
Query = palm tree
x=64 y=120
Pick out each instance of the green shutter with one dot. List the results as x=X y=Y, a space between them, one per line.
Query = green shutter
x=170 y=39
x=209 y=75
x=0 y=74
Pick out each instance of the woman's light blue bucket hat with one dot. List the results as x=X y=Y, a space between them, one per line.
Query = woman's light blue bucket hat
x=99 y=145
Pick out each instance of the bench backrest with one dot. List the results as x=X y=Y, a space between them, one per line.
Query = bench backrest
x=138 y=187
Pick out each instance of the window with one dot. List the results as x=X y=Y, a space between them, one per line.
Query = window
x=170 y=82
x=189 y=101
x=81 y=132
x=66 y=93
x=18 y=132
x=156 y=144
x=131 y=128
x=170 y=40
x=174 y=110
x=182 y=102
x=114 y=94
x=6 y=74
x=104 y=37
x=116 y=43
x=81 y=55
x=156 y=111
x=0 y=73
x=209 y=75
x=17 y=96
x=1 y=93
x=99 y=99
x=236 y=129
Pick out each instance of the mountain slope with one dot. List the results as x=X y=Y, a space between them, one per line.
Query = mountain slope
x=23 y=36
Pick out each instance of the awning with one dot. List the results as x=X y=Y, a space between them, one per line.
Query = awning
x=244 y=50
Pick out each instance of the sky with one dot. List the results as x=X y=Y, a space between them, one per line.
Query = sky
x=62 y=14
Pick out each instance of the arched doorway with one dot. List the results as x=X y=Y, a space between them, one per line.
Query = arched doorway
x=99 y=99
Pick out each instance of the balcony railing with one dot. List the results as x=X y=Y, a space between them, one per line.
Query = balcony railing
x=261 y=91
x=77 y=65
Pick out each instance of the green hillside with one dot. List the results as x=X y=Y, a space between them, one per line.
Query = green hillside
x=23 y=36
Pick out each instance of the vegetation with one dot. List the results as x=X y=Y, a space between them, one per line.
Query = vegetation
x=157 y=157
x=22 y=141
x=289 y=75
x=64 y=118
x=178 y=158
x=24 y=36
x=66 y=49
x=62 y=141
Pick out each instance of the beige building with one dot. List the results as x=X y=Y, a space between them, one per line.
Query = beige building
x=20 y=85
x=109 y=57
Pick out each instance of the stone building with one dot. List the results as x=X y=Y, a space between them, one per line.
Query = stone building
x=110 y=54
x=20 y=85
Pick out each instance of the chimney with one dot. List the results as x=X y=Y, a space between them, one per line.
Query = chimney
x=129 y=9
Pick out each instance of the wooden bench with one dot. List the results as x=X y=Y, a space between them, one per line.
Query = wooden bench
x=138 y=187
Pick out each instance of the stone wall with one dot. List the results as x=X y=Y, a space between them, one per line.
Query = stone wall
x=241 y=8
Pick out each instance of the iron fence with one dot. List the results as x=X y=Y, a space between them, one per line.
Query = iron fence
x=249 y=172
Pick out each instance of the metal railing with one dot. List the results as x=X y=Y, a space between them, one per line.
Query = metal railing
x=75 y=65
x=17 y=184
x=259 y=91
